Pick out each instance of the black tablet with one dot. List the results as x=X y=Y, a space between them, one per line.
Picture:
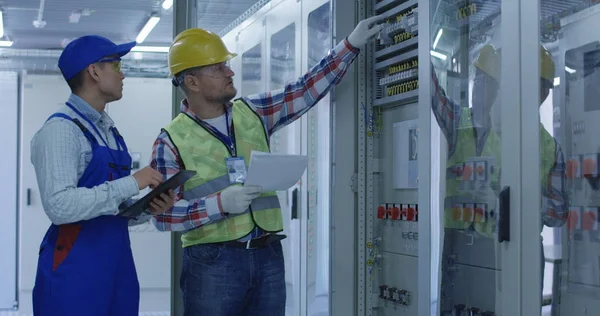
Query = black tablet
x=136 y=209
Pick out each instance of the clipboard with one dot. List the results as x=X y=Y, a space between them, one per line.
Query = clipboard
x=141 y=205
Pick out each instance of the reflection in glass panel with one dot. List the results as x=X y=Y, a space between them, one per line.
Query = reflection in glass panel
x=465 y=58
x=251 y=71
x=317 y=287
x=283 y=45
x=570 y=99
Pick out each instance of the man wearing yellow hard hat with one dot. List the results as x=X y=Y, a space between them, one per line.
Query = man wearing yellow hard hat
x=474 y=152
x=233 y=261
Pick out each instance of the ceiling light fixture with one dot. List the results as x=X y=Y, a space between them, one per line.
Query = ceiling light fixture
x=147 y=29
x=438 y=55
x=150 y=49
x=1 y=23
x=6 y=43
x=570 y=70
x=167 y=4
x=437 y=38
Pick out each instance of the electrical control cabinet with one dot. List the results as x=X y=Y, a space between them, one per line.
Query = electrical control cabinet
x=579 y=50
x=391 y=136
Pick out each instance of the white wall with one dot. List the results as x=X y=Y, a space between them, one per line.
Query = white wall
x=8 y=195
x=144 y=109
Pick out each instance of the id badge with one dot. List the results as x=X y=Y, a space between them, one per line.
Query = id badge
x=236 y=168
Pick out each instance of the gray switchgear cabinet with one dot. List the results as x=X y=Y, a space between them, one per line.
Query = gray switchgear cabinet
x=391 y=244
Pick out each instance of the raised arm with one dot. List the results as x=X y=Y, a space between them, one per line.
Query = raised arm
x=446 y=112
x=281 y=107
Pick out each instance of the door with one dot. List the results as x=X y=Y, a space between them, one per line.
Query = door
x=316 y=43
x=564 y=97
x=9 y=90
x=472 y=184
x=283 y=55
x=42 y=95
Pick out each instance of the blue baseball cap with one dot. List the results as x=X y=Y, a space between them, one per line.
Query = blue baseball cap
x=87 y=50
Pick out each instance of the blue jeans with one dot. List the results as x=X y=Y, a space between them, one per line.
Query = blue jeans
x=223 y=281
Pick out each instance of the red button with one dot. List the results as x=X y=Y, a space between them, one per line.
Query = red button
x=381 y=212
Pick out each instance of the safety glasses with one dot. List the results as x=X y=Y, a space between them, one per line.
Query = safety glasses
x=114 y=62
x=216 y=71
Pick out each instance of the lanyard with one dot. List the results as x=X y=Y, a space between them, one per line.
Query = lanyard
x=227 y=140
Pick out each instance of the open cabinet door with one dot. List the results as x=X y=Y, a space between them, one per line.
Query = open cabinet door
x=559 y=118
x=470 y=186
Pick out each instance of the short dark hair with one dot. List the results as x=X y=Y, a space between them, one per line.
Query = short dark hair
x=180 y=77
x=76 y=83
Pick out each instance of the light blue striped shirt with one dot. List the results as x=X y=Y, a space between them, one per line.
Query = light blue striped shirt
x=60 y=154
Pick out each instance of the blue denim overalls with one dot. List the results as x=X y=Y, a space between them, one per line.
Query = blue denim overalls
x=86 y=268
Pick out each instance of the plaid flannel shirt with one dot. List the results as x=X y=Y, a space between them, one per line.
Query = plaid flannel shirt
x=276 y=108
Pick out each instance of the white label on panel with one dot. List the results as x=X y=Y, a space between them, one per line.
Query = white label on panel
x=405 y=144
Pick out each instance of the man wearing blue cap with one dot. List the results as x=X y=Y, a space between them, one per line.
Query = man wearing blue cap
x=82 y=165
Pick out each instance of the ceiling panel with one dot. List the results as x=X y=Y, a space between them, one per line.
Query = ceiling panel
x=119 y=20
x=37 y=49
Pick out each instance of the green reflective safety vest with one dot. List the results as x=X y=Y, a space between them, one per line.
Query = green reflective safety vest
x=473 y=179
x=206 y=154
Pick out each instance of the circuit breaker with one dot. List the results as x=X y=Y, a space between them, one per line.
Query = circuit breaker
x=392 y=134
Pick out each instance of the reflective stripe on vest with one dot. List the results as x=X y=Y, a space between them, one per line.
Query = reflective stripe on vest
x=470 y=176
x=201 y=151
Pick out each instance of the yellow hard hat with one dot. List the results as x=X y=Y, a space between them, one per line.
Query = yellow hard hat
x=547 y=65
x=488 y=61
x=196 y=47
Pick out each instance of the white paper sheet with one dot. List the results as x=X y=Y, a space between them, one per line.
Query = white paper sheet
x=275 y=172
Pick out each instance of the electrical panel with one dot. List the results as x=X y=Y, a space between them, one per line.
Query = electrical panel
x=392 y=135
x=578 y=122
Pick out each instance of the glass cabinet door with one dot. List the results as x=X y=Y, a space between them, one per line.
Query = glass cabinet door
x=471 y=180
x=317 y=41
x=250 y=45
x=252 y=73
x=568 y=112
x=282 y=25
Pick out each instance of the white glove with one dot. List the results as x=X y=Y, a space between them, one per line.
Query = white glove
x=364 y=30
x=236 y=198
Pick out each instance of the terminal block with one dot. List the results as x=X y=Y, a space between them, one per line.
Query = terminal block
x=383 y=292
x=394 y=294
x=398 y=212
x=399 y=28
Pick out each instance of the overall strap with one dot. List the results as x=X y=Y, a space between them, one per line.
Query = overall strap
x=120 y=141
x=85 y=131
